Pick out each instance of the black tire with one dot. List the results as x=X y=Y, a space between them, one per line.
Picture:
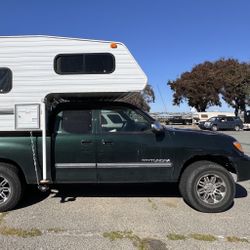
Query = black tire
x=214 y=128
x=237 y=128
x=189 y=182
x=10 y=173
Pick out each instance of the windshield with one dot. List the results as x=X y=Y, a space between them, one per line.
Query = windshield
x=212 y=119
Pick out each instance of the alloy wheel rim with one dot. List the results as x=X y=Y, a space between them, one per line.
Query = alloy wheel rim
x=5 y=190
x=211 y=189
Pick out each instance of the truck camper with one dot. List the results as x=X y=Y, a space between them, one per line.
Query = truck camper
x=62 y=121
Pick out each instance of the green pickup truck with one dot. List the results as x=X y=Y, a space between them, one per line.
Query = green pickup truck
x=115 y=142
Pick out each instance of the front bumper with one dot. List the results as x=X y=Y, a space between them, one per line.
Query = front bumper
x=242 y=167
x=204 y=126
x=201 y=126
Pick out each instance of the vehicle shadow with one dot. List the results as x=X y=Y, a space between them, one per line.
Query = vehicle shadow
x=32 y=196
x=70 y=192
x=241 y=192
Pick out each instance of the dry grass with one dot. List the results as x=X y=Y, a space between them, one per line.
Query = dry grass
x=203 y=237
x=236 y=239
x=140 y=244
x=174 y=236
x=9 y=231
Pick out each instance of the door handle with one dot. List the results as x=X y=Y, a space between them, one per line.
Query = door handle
x=85 y=142
x=104 y=142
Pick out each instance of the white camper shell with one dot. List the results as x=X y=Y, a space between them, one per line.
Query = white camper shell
x=35 y=67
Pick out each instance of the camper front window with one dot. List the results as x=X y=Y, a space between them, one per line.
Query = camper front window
x=5 y=80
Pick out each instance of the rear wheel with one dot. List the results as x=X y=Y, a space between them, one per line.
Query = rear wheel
x=207 y=187
x=10 y=187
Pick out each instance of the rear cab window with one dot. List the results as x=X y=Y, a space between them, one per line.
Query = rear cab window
x=74 y=122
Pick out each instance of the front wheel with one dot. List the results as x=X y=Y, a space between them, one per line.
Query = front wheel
x=237 y=128
x=214 y=128
x=10 y=187
x=207 y=187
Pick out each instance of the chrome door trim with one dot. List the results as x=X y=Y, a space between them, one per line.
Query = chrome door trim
x=75 y=165
x=114 y=165
x=134 y=165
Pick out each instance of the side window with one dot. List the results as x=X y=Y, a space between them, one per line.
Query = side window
x=115 y=118
x=90 y=63
x=230 y=119
x=5 y=80
x=74 y=121
x=123 y=119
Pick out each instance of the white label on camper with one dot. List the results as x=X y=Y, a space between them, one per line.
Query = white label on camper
x=27 y=116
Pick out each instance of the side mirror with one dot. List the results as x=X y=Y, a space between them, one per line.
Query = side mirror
x=157 y=127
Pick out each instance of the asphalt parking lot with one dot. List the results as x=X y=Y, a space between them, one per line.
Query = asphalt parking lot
x=149 y=216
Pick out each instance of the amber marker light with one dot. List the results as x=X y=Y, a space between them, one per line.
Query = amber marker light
x=238 y=146
x=113 y=45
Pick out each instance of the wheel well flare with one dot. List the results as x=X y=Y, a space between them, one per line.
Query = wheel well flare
x=221 y=160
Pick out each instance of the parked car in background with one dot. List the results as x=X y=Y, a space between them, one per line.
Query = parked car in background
x=111 y=120
x=222 y=123
x=204 y=116
x=178 y=120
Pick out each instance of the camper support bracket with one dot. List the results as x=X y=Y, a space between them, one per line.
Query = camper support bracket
x=44 y=146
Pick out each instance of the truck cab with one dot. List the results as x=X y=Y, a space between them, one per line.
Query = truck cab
x=108 y=142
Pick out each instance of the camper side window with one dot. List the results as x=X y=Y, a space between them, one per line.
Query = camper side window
x=5 y=80
x=97 y=63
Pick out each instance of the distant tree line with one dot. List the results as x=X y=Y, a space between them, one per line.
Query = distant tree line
x=203 y=86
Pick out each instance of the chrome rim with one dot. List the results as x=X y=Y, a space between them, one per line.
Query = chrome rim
x=5 y=189
x=211 y=188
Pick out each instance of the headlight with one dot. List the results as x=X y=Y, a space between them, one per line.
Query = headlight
x=238 y=146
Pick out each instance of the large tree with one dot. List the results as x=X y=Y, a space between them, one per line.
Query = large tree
x=142 y=99
x=248 y=94
x=234 y=79
x=205 y=83
x=197 y=87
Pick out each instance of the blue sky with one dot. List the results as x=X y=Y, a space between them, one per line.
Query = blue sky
x=166 y=37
